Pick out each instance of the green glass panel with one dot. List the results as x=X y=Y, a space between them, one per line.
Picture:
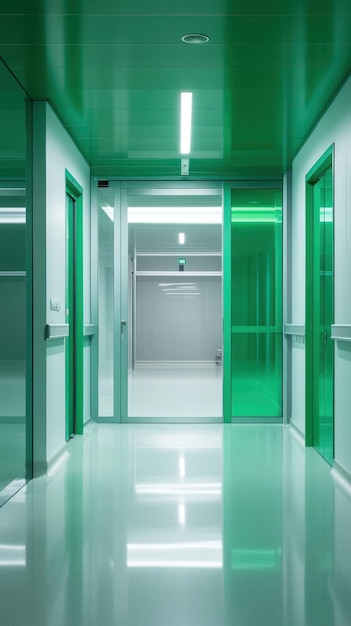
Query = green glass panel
x=256 y=302
x=15 y=290
x=13 y=337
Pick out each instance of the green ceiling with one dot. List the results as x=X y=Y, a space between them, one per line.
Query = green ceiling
x=114 y=71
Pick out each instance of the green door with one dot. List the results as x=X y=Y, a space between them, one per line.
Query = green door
x=254 y=296
x=320 y=313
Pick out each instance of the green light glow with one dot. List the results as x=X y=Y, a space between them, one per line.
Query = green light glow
x=256 y=303
x=258 y=215
x=251 y=559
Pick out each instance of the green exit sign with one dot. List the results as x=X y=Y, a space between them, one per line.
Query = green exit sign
x=182 y=261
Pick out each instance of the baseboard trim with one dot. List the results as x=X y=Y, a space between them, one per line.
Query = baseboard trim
x=297 y=433
x=42 y=468
x=257 y=420
x=175 y=420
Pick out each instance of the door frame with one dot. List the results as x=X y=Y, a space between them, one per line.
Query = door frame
x=312 y=278
x=120 y=376
x=153 y=188
x=74 y=283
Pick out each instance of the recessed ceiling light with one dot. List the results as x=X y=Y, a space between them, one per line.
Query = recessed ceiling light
x=195 y=38
x=186 y=103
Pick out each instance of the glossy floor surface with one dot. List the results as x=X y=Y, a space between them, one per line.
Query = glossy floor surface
x=175 y=392
x=179 y=526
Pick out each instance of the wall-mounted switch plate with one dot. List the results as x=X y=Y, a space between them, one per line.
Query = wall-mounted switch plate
x=55 y=305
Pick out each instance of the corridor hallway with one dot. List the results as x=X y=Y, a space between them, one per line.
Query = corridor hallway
x=179 y=525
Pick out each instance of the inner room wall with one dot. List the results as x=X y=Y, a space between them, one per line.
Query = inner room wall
x=178 y=328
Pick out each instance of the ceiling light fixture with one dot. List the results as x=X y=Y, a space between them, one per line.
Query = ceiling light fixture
x=181 y=514
x=175 y=215
x=195 y=38
x=186 y=104
x=12 y=215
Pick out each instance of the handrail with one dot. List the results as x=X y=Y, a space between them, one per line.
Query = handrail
x=295 y=329
x=56 y=331
x=341 y=332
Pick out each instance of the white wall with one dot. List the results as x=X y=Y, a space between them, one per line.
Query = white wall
x=333 y=128
x=178 y=328
x=53 y=153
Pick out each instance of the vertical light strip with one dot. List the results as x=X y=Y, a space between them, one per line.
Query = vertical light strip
x=185 y=121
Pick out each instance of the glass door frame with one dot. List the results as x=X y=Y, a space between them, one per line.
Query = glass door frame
x=149 y=188
x=120 y=285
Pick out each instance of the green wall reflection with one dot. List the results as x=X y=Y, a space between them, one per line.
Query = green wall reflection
x=256 y=338
x=15 y=338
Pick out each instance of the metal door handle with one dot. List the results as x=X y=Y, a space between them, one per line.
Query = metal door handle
x=123 y=326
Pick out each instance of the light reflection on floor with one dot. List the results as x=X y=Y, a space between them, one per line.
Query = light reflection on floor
x=179 y=526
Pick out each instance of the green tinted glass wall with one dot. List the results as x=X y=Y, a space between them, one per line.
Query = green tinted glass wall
x=15 y=288
x=256 y=302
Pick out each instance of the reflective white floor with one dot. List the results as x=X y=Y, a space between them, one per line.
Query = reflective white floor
x=182 y=392
x=179 y=526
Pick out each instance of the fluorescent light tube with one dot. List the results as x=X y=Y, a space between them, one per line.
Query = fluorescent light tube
x=12 y=215
x=181 y=465
x=181 y=514
x=185 y=121
x=175 y=215
x=201 y=554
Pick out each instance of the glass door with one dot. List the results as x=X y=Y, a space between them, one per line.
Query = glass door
x=107 y=398
x=172 y=286
x=112 y=305
x=160 y=302
x=253 y=296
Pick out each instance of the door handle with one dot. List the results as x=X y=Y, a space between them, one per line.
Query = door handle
x=325 y=337
x=123 y=327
